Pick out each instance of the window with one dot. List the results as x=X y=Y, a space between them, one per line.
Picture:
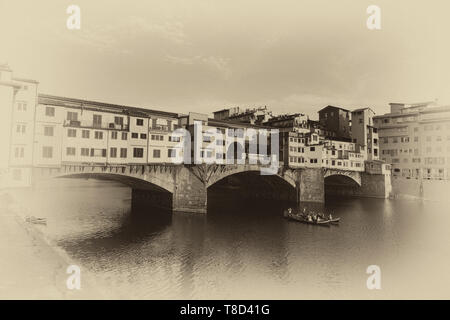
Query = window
x=19 y=152
x=143 y=136
x=71 y=133
x=118 y=120
x=22 y=106
x=85 y=134
x=50 y=111
x=114 y=135
x=98 y=135
x=73 y=116
x=70 y=151
x=134 y=135
x=139 y=122
x=47 y=152
x=157 y=137
x=113 y=152
x=123 y=152
x=220 y=155
x=97 y=120
x=124 y=135
x=21 y=128
x=206 y=154
x=156 y=153
x=312 y=149
x=98 y=152
x=138 y=152
x=171 y=153
x=48 y=131
x=416 y=139
x=177 y=139
x=85 y=152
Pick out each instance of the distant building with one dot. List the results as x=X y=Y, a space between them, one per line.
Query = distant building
x=415 y=139
x=297 y=122
x=364 y=134
x=337 y=120
x=251 y=116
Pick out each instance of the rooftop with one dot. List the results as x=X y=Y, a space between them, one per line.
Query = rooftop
x=362 y=109
x=101 y=106
x=333 y=107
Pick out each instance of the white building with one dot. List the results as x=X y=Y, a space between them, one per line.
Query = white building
x=17 y=102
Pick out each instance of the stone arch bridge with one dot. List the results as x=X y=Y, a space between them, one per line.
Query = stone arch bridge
x=183 y=188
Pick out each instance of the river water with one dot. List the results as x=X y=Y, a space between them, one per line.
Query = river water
x=245 y=249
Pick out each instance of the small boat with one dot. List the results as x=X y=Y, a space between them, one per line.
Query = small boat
x=302 y=219
x=36 y=220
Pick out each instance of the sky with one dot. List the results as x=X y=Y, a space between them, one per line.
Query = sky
x=206 y=55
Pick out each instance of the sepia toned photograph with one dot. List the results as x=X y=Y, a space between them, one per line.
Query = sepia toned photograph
x=199 y=150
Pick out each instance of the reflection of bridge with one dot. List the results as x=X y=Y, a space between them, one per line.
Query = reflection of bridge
x=184 y=188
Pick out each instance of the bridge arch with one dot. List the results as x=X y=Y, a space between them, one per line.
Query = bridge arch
x=249 y=183
x=229 y=170
x=342 y=177
x=137 y=177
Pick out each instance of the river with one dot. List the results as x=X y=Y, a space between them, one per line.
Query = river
x=245 y=249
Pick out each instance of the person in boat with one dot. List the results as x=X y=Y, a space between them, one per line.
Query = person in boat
x=289 y=210
x=330 y=217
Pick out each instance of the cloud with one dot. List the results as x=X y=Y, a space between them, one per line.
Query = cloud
x=217 y=64
x=111 y=37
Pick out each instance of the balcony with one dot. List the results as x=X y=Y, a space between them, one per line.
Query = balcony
x=159 y=128
x=92 y=125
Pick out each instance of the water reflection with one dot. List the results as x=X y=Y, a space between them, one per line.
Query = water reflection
x=245 y=249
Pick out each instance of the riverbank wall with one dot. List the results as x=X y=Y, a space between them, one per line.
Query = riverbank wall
x=433 y=190
x=31 y=265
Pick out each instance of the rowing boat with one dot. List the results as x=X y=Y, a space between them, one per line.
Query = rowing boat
x=301 y=219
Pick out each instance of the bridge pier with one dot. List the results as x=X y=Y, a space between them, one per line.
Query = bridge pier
x=310 y=185
x=190 y=192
